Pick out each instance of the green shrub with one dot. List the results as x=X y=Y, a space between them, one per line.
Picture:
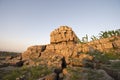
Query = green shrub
x=105 y=56
x=12 y=75
x=30 y=73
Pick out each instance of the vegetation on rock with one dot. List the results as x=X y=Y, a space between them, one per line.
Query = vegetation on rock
x=28 y=73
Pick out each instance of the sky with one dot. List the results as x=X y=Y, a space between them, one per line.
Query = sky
x=24 y=23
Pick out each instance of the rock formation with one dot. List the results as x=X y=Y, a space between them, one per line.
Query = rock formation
x=64 y=53
x=61 y=50
x=63 y=41
x=64 y=46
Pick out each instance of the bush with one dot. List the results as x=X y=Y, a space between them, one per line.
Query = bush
x=104 y=57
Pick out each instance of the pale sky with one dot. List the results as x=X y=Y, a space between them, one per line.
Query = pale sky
x=29 y=22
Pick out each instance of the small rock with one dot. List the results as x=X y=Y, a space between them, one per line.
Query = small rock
x=52 y=76
x=65 y=71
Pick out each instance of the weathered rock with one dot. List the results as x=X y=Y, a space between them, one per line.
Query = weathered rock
x=51 y=59
x=33 y=52
x=63 y=34
x=65 y=71
x=116 y=43
x=83 y=60
x=61 y=76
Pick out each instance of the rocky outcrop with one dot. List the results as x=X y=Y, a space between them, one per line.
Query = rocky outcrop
x=82 y=60
x=64 y=51
x=61 y=51
x=50 y=59
x=63 y=41
x=67 y=56
x=64 y=45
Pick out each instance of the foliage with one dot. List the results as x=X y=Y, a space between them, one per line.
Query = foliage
x=94 y=75
x=74 y=73
x=29 y=73
x=80 y=73
x=104 y=57
x=102 y=34
x=94 y=38
x=12 y=75
x=106 y=34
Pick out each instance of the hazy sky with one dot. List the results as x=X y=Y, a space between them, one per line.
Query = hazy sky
x=29 y=22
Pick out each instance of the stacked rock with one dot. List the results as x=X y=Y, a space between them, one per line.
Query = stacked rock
x=63 y=34
x=63 y=41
